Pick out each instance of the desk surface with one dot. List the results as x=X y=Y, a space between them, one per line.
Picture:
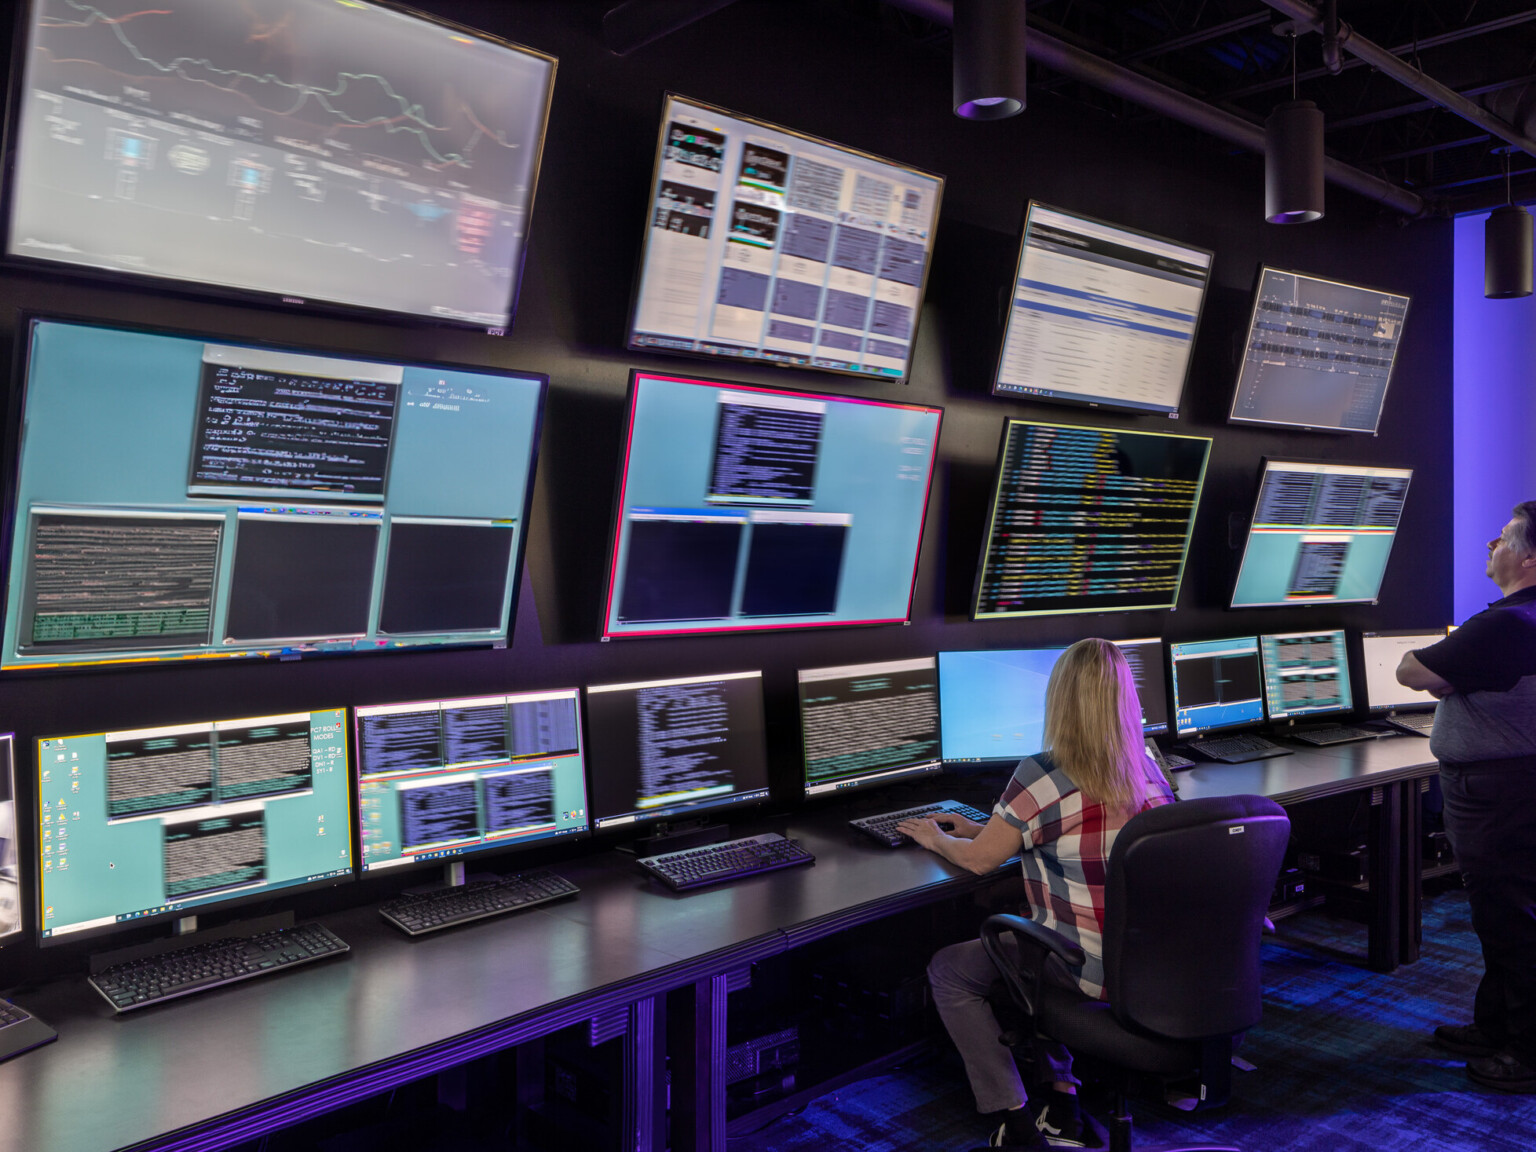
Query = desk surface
x=1313 y=772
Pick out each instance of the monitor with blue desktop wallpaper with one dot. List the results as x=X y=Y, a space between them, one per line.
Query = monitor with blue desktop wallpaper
x=185 y=497
x=744 y=508
x=438 y=779
x=347 y=153
x=1215 y=684
x=150 y=824
x=1305 y=674
x=863 y=725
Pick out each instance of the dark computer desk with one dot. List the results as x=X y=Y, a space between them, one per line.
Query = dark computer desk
x=215 y=1069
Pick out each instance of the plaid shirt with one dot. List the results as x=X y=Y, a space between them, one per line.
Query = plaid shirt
x=1066 y=844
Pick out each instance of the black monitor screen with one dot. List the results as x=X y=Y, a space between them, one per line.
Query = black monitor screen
x=764 y=244
x=867 y=724
x=1321 y=534
x=746 y=508
x=1145 y=658
x=1088 y=520
x=665 y=748
x=1101 y=314
x=1216 y=684
x=1305 y=674
x=440 y=778
x=340 y=152
x=180 y=497
x=1319 y=353
x=10 y=852
x=159 y=822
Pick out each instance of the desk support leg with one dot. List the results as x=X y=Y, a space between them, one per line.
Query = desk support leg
x=1386 y=876
x=1412 y=867
x=645 y=1101
x=697 y=1044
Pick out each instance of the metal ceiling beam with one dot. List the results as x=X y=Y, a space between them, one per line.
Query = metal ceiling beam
x=1199 y=36
x=1397 y=110
x=636 y=23
x=1120 y=81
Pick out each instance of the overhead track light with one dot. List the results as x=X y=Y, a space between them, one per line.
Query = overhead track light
x=1507 y=256
x=989 y=58
x=1293 y=155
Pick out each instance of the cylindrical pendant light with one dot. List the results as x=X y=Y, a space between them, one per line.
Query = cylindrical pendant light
x=1293 y=163
x=1507 y=253
x=989 y=58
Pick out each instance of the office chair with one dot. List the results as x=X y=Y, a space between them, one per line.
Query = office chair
x=1184 y=904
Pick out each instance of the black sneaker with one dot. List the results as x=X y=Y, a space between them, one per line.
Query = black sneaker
x=1504 y=1072
x=1465 y=1040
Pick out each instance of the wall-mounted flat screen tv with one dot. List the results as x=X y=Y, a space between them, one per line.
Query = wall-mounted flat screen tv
x=769 y=245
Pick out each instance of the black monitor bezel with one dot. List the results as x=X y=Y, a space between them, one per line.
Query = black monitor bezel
x=633 y=314
x=904 y=773
x=1078 y=402
x=14 y=435
x=1242 y=355
x=11 y=778
x=1292 y=718
x=1173 y=708
x=277 y=301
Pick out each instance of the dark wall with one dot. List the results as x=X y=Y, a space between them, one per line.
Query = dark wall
x=854 y=80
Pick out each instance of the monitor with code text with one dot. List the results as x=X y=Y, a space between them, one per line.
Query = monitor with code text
x=863 y=725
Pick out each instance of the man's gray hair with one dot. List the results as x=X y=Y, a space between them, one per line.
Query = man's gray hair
x=1525 y=536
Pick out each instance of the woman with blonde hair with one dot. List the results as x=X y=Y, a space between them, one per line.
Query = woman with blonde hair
x=1061 y=812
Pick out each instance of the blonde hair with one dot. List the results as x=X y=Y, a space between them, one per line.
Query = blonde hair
x=1093 y=724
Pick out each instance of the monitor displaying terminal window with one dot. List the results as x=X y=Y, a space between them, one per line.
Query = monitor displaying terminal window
x=1216 y=684
x=351 y=154
x=1319 y=353
x=441 y=778
x=10 y=850
x=1321 y=534
x=180 y=497
x=869 y=724
x=152 y=823
x=1381 y=653
x=1305 y=674
x=1088 y=520
x=745 y=508
x=667 y=749
x=1101 y=314
x=768 y=245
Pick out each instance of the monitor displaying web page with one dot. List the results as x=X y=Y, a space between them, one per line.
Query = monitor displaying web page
x=1305 y=674
x=1216 y=684
x=1319 y=353
x=765 y=244
x=10 y=850
x=1381 y=653
x=439 y=779
x=869 y=724
x=1088 y=520
x=659 y=749
x=1101 y=314
x=351 y=153
x=182 y=497
x=153 y=823
x=745 y=508
x=1321 y=534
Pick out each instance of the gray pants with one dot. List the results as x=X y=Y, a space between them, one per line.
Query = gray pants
x=961 y=976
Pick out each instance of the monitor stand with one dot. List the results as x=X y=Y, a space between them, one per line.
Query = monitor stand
x=676 y=835
x=453 y=876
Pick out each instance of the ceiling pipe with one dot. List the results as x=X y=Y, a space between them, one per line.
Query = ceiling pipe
x=1118 y=81
x=636 y=23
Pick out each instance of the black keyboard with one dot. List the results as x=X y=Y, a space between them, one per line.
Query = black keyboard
x=1236 y=749
x=153 y=979
x=883 y=826
x=1414 y=723
x=418 y=913
x=715 y=863
x=1333 y=734
x=20 y=1030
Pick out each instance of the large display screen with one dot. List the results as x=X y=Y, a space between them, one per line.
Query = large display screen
x=1319 y=353
x=440 y=778
x=1321 y=534
x=308 y=150
x=768 y=245
x=10 y=852
x=1088 y=520
x=869 y=724
x=1305 y=674
x=1101 y=314
x=180 y=497
x=748 y=508
x=159 y=822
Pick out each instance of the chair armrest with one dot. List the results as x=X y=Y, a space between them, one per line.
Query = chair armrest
x=1037 y=944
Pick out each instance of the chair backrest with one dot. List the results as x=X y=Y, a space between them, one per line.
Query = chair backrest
x=1185 y=898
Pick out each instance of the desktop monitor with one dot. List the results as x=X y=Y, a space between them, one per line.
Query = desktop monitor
x=765 y=244
x=183 y=497
x=677 y=748
x=1145 y=658
x=151 y=824
x=869 y=724
x=1319 y=353
x=10 y=851
x=441 y=779
x=1321 y=534
x=1088 y=520
x=1216 y=684
x=743 y=508
x=1101 y=314
x=1305 y=674
x=317 y=152
x=1381 y=653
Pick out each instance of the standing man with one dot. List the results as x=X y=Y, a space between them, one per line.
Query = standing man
x=1485 y=739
